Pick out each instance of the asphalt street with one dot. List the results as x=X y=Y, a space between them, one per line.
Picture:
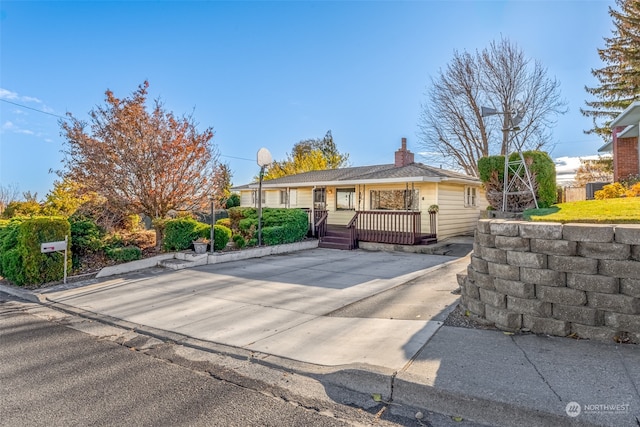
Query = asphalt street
x=54 y=375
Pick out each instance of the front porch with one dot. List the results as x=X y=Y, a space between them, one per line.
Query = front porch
x=391 y=227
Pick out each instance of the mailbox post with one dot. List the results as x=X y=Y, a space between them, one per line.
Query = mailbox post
x=58 y=246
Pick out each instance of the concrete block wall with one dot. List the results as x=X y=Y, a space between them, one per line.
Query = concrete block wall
x=558 y=279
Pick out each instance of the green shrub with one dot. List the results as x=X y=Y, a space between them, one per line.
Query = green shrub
x=239 y=241
x=86 y=235
x=124 y=254
x=283 y=226
x=22 y=262
x=233 y=201
x=224 y=221
x=247 y=223
x=8 y=242
x=180 y=232
x=221 y=237
x=540 y=165
x=278 y=225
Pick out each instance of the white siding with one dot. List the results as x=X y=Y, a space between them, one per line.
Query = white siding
x=454 y=219
x=246 y=198
x=304 y=198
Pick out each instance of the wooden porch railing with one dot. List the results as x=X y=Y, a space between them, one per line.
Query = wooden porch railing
x=397 y=227
x=352 y=226
x=317 y=224
x=321 y=225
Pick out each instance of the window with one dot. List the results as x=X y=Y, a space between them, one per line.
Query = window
x=345 y=198
x=470 y=197
x=397 y=200
x=284 y=197
x=254 y=197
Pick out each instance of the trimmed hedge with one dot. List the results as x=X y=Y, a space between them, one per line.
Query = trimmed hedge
x=278 y=225
x=221 y=236
x=181 y=232
x=540 y=165
x=21 y=259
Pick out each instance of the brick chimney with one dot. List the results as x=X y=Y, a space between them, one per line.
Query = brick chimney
x=404 y=157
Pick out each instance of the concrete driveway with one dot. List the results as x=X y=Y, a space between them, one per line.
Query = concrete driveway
x=280 y=305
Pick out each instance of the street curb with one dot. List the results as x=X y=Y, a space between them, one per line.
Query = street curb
x=23 y=294
x=402 y=390
x=406 y=391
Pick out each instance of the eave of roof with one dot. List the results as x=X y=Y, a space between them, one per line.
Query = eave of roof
x=606 y=148
x=630 y=116
x=629 y=131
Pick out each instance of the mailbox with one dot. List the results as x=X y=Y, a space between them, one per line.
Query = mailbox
x=53 y=246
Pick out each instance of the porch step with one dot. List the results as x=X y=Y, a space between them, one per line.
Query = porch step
x=336 y=238
x=428 y=241
x=333 y=245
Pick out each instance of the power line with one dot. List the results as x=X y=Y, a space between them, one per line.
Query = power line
x=34 y=109
x=239 y=158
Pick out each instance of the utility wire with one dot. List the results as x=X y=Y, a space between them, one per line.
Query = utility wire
x=239 y=158
x=34 y=109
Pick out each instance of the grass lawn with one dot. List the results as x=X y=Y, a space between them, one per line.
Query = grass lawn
x=610 y=211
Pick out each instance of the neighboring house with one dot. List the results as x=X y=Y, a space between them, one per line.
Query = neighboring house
x=385 y=203
x=624 y=146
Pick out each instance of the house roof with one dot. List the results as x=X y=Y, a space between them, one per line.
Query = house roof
x=606 y=148
x=629 y=117
x=414 y=172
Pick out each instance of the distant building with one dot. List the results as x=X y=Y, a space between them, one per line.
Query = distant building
x=624 y=145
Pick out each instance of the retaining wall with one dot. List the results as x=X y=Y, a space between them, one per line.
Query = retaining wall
x=557 y=279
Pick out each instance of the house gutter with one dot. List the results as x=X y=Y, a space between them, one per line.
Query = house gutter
x=367 y=181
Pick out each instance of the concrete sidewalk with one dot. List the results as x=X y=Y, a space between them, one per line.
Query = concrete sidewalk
x=305 y=313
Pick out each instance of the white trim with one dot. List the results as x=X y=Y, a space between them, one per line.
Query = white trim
x=469 y=181
x=628 y=132
x=629 y=111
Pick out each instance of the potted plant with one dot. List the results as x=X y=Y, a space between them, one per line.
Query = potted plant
x=200 y=245
x=433 y=209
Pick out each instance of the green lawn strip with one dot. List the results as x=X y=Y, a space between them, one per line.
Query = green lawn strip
x=616 y=211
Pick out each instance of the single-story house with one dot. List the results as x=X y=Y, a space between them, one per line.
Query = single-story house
x=624 y=145
x=384 y=203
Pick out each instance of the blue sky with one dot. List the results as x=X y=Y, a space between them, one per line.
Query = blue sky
x=269 y=74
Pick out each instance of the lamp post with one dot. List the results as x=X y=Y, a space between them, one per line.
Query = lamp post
x=264 y=159
x=213 y=223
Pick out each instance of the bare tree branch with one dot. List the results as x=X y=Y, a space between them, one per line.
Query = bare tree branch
x=451 y=122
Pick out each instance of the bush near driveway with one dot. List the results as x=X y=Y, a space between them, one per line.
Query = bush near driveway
x=278 y=225
x=181 y=232
x=20 y=253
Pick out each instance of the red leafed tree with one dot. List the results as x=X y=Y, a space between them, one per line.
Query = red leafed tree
x=141 y=161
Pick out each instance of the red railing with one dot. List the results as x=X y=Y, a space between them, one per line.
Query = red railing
x=397 y=227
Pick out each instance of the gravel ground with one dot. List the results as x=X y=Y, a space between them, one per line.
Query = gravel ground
x=460 y=319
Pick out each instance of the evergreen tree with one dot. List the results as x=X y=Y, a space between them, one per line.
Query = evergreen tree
x=620 y=76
